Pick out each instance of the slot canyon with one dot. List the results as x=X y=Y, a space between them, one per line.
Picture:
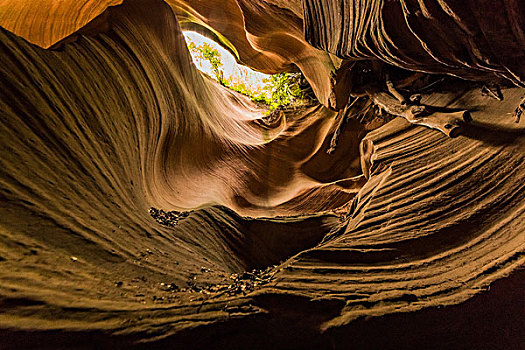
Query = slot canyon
x=144 y=205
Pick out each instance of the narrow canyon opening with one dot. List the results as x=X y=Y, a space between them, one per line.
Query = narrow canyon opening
x=332 y=172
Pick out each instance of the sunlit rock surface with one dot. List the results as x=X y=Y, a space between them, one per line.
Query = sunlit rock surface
x=332 y=226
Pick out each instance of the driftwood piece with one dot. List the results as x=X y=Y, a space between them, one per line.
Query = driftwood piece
x=449 y=123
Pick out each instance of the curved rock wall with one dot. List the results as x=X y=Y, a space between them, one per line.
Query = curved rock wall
x=470 y=39
x=397 y=221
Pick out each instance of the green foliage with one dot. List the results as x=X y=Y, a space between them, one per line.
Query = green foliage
x=240 y=87
x=281 y=89
x=284 y=90
x=208 y=53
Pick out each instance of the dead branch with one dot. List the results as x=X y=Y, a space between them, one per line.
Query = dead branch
x=449 y=123
x=391 y=88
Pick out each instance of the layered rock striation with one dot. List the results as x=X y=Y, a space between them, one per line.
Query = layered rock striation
x=353 y=223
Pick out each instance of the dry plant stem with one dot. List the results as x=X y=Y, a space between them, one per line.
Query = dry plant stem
x=431 y=84
x=449 y=123
x=335 y=136
x=410 y=80
x=494 y=92
x=391 y=88
x=519 y=110
x=343 y=116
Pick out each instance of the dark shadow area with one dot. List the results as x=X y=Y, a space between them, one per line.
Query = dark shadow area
x=491 y=320
x=256 y=242
x=491 y=134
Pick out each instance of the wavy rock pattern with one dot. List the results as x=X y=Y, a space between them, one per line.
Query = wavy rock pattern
x=474 y=40
x=46 y=23
x=401 y=227
x=266 y=35
x=431 y=204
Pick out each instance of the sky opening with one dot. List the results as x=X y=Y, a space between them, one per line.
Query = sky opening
x=234 y=73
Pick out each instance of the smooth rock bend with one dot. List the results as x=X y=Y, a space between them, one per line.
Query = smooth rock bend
x=333 y=226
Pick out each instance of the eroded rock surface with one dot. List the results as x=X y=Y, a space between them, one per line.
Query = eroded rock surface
x=333 y=226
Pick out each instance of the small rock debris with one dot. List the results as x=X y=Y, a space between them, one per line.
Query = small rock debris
x=239 y=283
x=168 y=218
